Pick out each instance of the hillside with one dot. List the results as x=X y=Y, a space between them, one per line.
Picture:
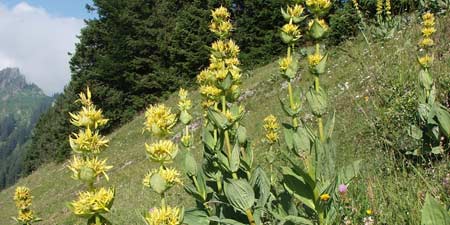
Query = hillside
x=21 y=104
x=360 y=76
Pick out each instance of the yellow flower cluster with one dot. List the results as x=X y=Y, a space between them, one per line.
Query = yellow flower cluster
x=22 y=198
x=321 y=22
x=380 y=7
x=165 y=215
x=314 y=59
x=169 y=175
x=159 y=120
x=388 y=8
x=221 y=24
x=163 y=151
x=184 y=103
x=285 y=62
x=88 y=116
x=291 y=30
x=271 y=127
x=87 y=169
x=295 y=11
x=88 y=142
x=224 y=62
x=427 y=42
x=93 y=202
x=318 y=7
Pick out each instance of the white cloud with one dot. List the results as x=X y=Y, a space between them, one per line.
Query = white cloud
x=38 y=43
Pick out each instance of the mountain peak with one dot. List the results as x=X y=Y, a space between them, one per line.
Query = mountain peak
x=11 y=78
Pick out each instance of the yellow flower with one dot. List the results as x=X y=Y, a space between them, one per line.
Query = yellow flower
x=428 y=31
x=159 y=120
x=93 y=167
x=221 y=74
x=379 y=7
x=426 y=42
x=22 y=197
x=171 y=177
x=219 y=46
x=235 y=73
x=88 y=117
x=314 y=59
x=210 y=91
x=87 y=141
x=89 y=203
x=285 y=62
x=291 y=30
x=85 y=98
x=25 y=216
x=321 y=22
x=428 y=16
x=162 y=151
x=325 y=197
x=232 y=61
x=369 y=212
x=232 y=48
x=222 y=28
x=208 y=103
x=184 y=103
x=220 y=13
x=271 y=127
x=204 y=76
x=425 y=61
x=318 y=6
x=295 y=11
x=165 y=215
x=388 y=7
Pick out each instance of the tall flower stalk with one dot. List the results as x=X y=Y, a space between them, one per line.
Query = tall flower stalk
x=433 y=127
x=86 y=166
x=313 y=178
x=159 y=121
x=23 y=200
x=226 y=185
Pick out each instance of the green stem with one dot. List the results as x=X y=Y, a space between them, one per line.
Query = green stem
x=292 y=104
x=163 y=200
x=250 y=217
x=219 y=184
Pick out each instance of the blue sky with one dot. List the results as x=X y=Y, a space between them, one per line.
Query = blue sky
x=59 y=8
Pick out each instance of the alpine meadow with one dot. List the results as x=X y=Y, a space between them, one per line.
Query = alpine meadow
x=232 y=112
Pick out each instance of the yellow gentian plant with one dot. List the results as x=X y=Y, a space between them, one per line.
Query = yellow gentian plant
x=86 y=166
x=23 y=200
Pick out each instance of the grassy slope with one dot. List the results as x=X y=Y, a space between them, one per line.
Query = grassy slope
x=392 y=192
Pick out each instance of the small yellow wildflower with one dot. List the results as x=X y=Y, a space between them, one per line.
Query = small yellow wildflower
x=271 y=127
x=292 y=30
x=88 y=117
x=426 y=42
x=80 y=166
x=184 y=103
x=314 y=59
x=285 y=62
x=428 y=31
x=221 y=74
x=233 y=48
x=204 y=76
x=379 y=7
x=87 y=141
x=26 y=216
x=325 y=197
x=90 y=203
x=388 y=7
x=321 y=22
x=220 y=13
x=369 y=212
x=159 y=120
x=295 y=11
x=428 y=16
x=232 y=61
x=171 y=177
x=85 y=98
x=210 y=91
x=425 y=61
x=318 y=6
x=22 y=197
x=162 y=151
x=165 y=215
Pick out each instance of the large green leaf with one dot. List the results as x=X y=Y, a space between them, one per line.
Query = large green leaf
x=298 y=220
x=261 y=185
x=444 y=120
x=235 y=158
x=219 y=120
x=240 y=194
x=196 y=217
x=434 y=213
x=298 y=187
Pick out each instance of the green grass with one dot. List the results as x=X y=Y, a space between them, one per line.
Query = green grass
x=388 y=184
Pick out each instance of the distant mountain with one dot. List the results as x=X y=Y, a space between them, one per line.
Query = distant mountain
x=21 y=105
